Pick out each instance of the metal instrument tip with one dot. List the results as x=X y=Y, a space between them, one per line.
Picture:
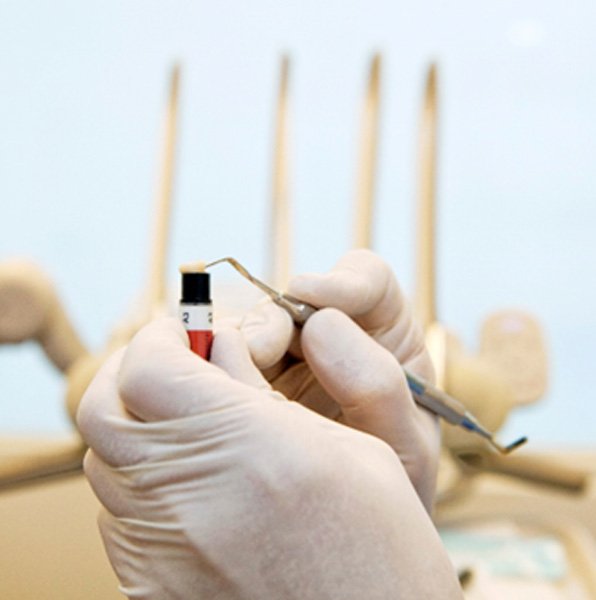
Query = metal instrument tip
x=515 y=445
x=510 y=448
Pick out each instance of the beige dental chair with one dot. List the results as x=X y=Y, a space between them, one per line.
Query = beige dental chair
x=50 y=546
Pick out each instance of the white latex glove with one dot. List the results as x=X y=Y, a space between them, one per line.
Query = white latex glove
x=216 y=487
x=348 y=369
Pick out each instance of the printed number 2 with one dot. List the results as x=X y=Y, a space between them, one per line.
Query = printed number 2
x=185 y=317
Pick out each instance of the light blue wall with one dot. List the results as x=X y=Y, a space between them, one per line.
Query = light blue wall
x=82 y=88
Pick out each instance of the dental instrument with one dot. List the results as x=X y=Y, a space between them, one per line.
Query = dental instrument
x=425 y=394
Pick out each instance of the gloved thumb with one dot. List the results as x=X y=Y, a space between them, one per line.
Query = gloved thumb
x=161 y=379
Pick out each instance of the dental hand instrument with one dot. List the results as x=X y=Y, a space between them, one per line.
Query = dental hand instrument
x=425 y=394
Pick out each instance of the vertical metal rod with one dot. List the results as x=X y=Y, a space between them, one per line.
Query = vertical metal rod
x=425 y=292
x=367 y=166
x=280 y=235
x=157 y=291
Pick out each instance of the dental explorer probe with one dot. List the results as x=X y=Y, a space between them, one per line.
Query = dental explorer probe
x=425 y=394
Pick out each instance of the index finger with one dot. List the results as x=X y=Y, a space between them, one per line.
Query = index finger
x=360 y=285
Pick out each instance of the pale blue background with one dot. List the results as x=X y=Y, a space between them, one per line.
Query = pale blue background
x=82 y=88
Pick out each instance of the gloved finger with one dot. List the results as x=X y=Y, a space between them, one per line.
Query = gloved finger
x=363 y=377
x=121 y=540
x=361 y=285
x=230 y=353
x=268 y=331
x=106 y=484
x=227 y=321
x=152 y=560
x=160 y=379
x=298 y=383
x=103 y=420
x=369 y=384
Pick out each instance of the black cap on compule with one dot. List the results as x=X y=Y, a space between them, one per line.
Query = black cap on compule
x=196 y=288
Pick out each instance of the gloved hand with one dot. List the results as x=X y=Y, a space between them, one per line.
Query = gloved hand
x=215 y=486
x=348 y=369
